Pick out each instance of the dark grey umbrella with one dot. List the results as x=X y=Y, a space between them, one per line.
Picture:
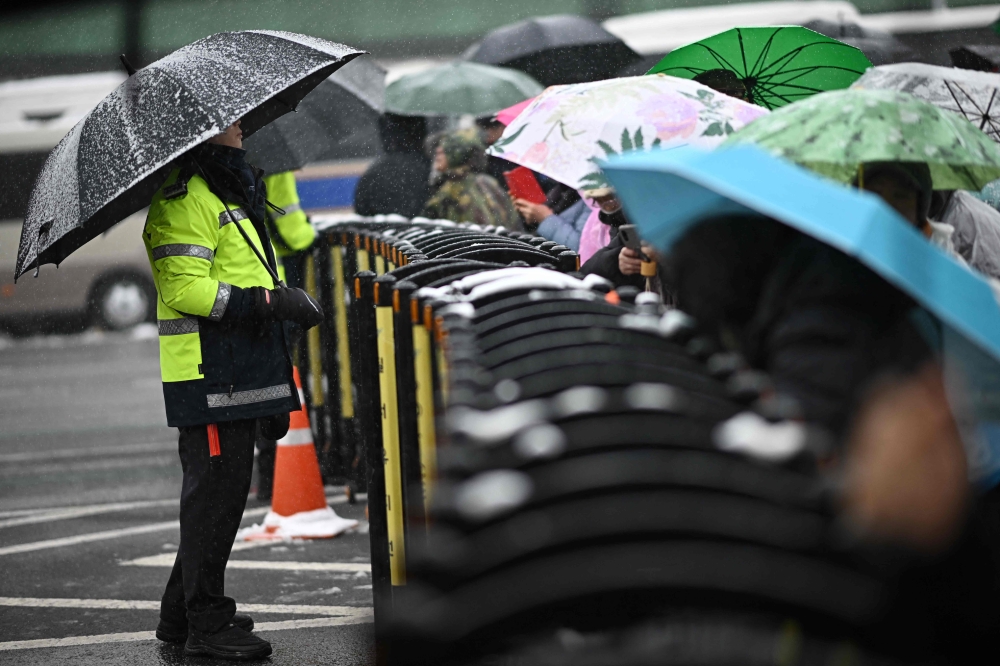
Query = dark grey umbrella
x=985 y=58
x=880 y=47
x=338 y=120
x=555 y=49
x=113 y=161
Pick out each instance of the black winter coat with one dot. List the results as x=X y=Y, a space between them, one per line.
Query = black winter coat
x=397 y=182
x=821 y=324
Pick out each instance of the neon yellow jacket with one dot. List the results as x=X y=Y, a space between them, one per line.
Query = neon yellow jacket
x=212 y=370
x=293 y=231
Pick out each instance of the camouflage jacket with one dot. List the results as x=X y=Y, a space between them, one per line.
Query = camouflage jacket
x=472 y=197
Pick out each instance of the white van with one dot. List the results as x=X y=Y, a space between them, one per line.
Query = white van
x=107 y=279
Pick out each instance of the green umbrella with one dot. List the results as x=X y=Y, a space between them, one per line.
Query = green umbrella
x=776 y=65
x=837 y=132
x=459 y=88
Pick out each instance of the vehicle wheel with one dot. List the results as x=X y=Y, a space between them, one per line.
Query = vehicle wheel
x=122 y=301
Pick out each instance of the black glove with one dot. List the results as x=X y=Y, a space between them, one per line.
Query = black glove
x=287 y=304
x=274 y=427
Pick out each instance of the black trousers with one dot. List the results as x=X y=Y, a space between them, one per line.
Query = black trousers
x=213 y=497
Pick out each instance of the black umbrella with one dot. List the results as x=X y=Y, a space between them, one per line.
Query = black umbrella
x=982 y=57
x=640 y=66
x=880 y=47
x=338 y=120
x=113 y=161
x=555 y=49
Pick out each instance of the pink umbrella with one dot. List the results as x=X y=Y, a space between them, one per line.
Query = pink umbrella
x=511 y=112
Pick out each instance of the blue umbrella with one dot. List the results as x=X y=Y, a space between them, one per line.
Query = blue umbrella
x=667 y=192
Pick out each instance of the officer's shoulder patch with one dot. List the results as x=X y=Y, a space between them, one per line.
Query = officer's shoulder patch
x=175 y=191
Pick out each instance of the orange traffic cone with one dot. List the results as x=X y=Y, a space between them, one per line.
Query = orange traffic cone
x=298 y=506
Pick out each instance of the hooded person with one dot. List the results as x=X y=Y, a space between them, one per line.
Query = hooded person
x=226 y=373
x=460 y=192
x=851 y=353
x=820 y=324
x=397 y=182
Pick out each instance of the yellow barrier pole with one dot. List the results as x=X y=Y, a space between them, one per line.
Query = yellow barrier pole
x=422 y=371
x=441 y=337
x=385 y=340
x=312 y=339
x=343 y=343
x=362 y=254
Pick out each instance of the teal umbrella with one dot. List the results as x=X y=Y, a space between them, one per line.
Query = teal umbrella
x=459 y=88
x=667 y=192
x=776 y=65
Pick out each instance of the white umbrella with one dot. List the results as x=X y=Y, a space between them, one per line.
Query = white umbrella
x=975 y=95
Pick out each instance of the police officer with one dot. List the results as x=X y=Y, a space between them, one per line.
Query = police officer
x=226 y=372
x=291 y=236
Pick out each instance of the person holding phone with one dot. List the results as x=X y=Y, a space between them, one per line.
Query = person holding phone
x=617 y=262
x=560 y=216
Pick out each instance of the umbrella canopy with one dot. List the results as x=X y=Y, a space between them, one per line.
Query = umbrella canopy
x=459 y=88
x=837 y=132
x=566 y=128
x=699 y=185
x=113 y=161
x=975 y=95
x=978 y=56
x=777 y=65
x=555 y=49
x=878 y=46
x=506 y=116
x=338 y=120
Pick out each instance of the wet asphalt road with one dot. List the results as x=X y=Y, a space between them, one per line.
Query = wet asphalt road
x=89 y=487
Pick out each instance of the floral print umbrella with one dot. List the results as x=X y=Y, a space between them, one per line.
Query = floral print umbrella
x=567 y=128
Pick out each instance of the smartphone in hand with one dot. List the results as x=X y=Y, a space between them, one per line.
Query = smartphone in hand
x=522 y=184
x=631 y=240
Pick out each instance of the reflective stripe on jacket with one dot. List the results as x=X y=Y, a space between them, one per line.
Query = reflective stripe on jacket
x=212 y=370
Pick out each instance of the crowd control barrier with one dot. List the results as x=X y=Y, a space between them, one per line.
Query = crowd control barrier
x=543 y=453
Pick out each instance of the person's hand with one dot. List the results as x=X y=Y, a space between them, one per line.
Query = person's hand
x=651 y=253
x=531 y=212
x=286 y=304
x=906 y=472
x=629 y=261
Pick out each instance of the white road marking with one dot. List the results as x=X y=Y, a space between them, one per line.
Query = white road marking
x=48 y=516
x=98 y=464
x=141 y=604
x=363 y=616
x=167 y=560
x=86 y=538
x=21 y=512
x=58 y=454
x=125 y=531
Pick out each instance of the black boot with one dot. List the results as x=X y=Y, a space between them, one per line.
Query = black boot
x=231 y=642
x=177 y=632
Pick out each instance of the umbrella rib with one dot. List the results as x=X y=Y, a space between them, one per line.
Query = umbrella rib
x=719 y=59
x=787 y=58
x=947 y=85
x=764 y=52
x=808 y=70
x=743 y=54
